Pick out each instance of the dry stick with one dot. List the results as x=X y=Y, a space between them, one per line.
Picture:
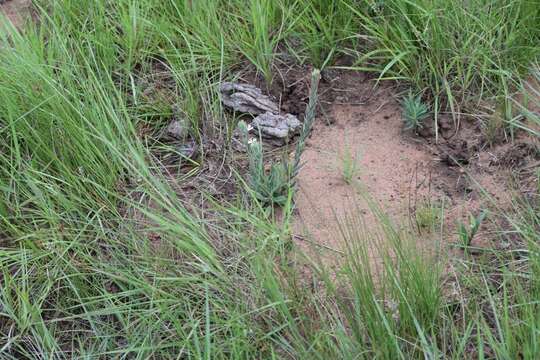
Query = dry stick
x=302 y=238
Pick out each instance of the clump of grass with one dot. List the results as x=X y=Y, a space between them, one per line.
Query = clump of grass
x=530 y=91
x=460 y=54
x=322 y=27
x=414 y=111
x=256 y=41
x=409 y=303
x=428 y=215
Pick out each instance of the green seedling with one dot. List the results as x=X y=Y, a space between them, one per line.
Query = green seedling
x=414 y=112
x=268 y=187
x=272 y=187
x=349 y=165
x=466 y=233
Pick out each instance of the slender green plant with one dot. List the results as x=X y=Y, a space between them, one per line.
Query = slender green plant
x=268 y=187
x=429 y=214
x=466 y=233
x=414 y=111
x=309 y=119
x=349 y=165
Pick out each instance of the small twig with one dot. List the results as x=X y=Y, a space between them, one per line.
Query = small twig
x=358 y=103
x=380 y=107
x=299 y=237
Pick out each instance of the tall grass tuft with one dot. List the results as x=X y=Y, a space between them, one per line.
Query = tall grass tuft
x=460 y=53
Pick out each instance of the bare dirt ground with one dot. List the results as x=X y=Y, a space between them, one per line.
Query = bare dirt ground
x=370 y=133
x=401 y=171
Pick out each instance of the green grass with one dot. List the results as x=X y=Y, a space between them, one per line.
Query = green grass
x=459 y=55
x=102 y=257
x=428 y=214
x=414 y=112
x=350 y=167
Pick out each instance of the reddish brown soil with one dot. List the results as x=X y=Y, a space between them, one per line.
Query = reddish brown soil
x=387 y=165
x=399 y=170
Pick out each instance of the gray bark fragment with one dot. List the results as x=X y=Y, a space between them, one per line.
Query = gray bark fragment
x=277 y=126
x=247 y=99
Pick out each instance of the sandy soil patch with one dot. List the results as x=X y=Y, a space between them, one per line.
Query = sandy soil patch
x=401 y=171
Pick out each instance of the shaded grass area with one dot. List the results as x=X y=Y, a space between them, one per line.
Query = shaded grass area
x=81 y=278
